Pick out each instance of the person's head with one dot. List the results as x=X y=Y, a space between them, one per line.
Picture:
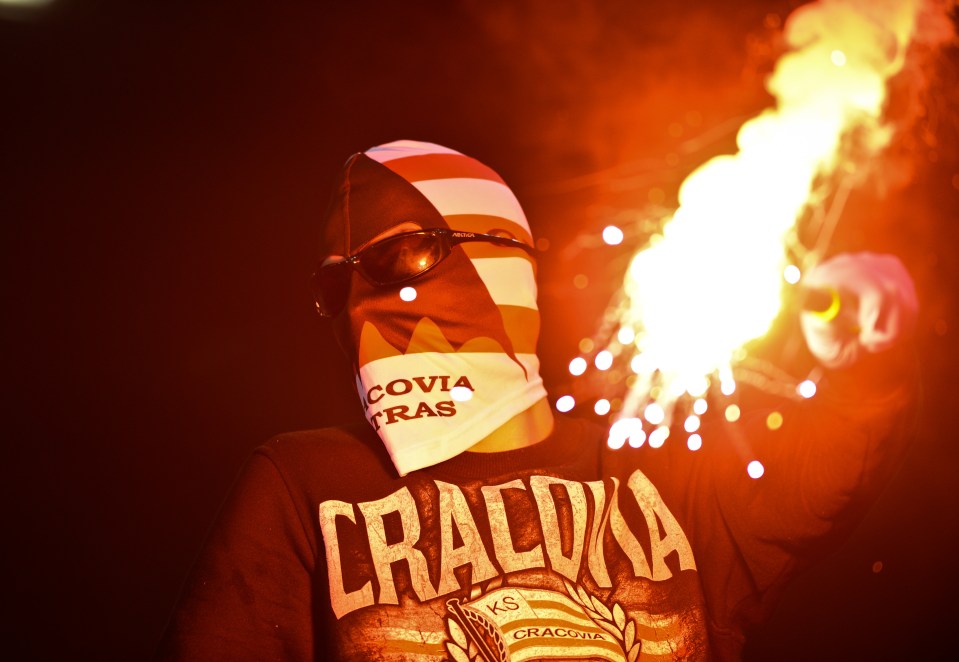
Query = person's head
x=427 y=272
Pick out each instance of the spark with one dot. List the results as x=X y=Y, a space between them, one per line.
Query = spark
x=807 y=388
x=577 y=366
x=654 y=413
x=755 y=469
x=791 y=274
x=461 y=393
x=612 y=235
x=565 y=403
x=408 y=293
x=604 y=360
x=658 y=436
x=624 y=429
x=727 y=387
x=601 y=407
x=637 y=438
x=695 y=442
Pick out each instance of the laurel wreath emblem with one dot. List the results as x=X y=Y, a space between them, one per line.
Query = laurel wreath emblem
x=613 y=621
x=458 y=647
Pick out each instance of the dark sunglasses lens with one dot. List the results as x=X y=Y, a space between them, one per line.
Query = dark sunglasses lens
x=331 y=286
x=400 y=258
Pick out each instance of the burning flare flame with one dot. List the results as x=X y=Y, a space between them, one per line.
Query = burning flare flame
x=713 y=280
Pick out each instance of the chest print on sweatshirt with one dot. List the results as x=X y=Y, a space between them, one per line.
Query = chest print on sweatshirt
x=520 y=624
x=509 y=571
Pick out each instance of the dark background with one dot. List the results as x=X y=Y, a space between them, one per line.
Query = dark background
x=164 y=168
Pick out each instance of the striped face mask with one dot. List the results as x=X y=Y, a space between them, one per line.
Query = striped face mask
x=435 y=300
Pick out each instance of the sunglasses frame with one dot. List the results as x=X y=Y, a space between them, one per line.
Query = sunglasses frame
x=449 y=238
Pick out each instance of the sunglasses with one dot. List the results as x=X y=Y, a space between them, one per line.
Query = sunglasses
x=394 y=260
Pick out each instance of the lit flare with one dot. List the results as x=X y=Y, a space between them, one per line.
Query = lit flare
x=713 y=280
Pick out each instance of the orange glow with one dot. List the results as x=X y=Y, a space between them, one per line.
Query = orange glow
x=774 y=421
x=732 y=413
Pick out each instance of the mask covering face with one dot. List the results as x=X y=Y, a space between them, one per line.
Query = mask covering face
x=439 y=372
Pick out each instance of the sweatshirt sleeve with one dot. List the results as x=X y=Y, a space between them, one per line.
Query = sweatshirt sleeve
x=249 y=595
x=824 y=467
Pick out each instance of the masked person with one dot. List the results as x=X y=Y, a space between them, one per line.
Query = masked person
x=465 y=521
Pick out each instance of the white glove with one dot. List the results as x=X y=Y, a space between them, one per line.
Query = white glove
x=877 y=307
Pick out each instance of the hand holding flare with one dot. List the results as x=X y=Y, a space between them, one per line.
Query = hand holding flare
x=873 y=307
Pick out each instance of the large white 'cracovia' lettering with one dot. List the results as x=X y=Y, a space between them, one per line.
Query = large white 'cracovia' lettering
x=661 y=530
x=406 y=412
